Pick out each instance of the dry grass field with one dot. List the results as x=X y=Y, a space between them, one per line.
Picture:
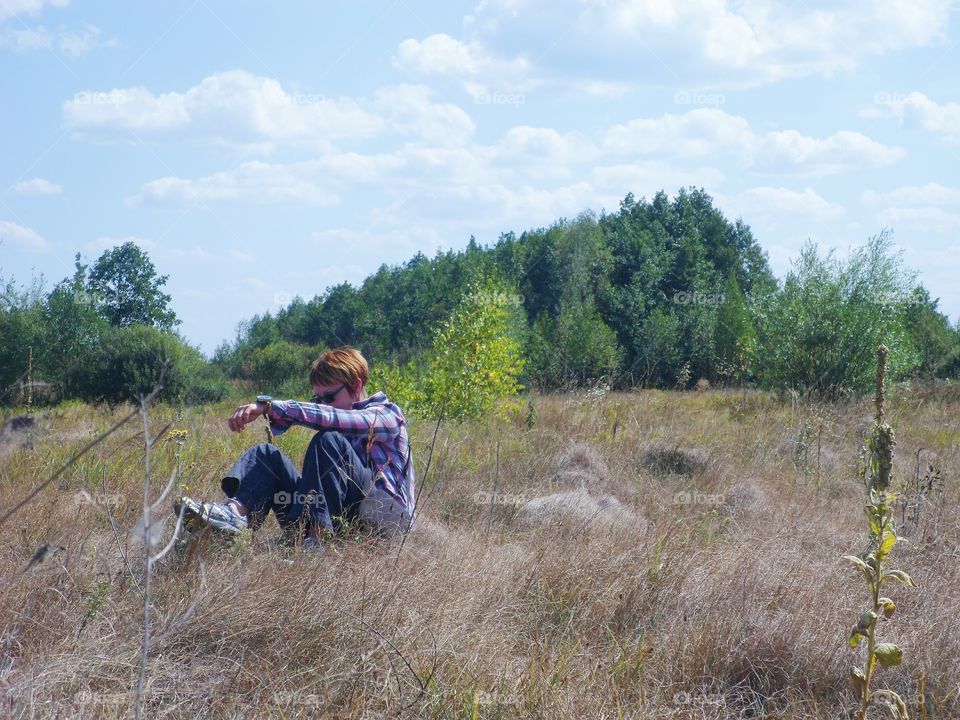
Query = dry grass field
x=645 y=555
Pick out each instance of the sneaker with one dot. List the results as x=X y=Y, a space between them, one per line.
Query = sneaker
x=219 y=516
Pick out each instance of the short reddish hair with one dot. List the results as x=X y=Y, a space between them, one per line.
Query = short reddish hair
x=340 y=365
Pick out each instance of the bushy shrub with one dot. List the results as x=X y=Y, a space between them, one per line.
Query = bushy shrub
x=281 y=368
x=475 y=361
x=817 y=332
x=128 y=363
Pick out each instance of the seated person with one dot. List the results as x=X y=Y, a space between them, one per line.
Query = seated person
x=357 y=470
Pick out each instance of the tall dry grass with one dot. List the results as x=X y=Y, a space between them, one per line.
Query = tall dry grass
x=646 y=555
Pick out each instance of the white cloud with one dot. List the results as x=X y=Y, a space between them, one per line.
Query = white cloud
x=78 y=42
x=540 y=153
x=530 y=172
x=20 y=236
x=780 y=206
x=37 y=186
x=918 y=112
x=74 y=43
x=167 y=252
x=26 y=40
x=12 y=8
x=645 y=179
x=102 y=244
x=253 y=182
x=412 y=113
x=930 y=208
x=930 y=194
x=704 y=42
x=235 y=106
x=920 y=219
x=135 y=109
x=469 y=63
x=708 y=132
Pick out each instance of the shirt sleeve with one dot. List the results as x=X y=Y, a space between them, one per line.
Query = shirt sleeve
x=375 y=420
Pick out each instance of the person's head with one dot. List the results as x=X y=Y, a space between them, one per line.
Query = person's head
x=339 y=377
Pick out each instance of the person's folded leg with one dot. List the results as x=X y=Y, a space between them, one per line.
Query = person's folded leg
x=332 y=466
x=265 y=479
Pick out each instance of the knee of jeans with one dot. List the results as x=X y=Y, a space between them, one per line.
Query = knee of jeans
x=329 y=440
x=230 y=485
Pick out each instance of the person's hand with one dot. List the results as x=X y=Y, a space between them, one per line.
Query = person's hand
x=244 y=415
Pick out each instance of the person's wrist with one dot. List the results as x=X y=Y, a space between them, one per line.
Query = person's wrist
x=264 y=403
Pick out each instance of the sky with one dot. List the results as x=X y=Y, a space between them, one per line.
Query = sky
x=259 y=151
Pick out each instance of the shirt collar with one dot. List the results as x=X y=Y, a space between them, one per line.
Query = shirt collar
x=377 y=398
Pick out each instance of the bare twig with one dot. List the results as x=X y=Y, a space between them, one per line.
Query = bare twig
x=496 y=482
x=116 y=535
x=388 y=641
x=148 y=562
x=426 y=475
x=69 y=463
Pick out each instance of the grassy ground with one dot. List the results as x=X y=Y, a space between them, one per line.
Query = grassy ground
x=651 y=555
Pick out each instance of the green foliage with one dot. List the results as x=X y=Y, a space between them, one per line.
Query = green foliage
x=280 y=368
x=577 y=349
x=624 y=298
x=473 y=365
x=21 y=328
x=474 y=362
x=128 y=291
x=814 y=333
x=73 y=329
x=403 y=384
x=129 y=360
x=877 y=474
x=735 y=335
x=936 y=343
x=670 y=265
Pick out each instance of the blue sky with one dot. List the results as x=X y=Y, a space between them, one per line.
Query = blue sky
x=259 y=151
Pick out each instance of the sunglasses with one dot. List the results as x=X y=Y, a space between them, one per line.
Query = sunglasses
x=327 y=398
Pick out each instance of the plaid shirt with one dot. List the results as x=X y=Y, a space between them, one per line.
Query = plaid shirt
x=377 y=431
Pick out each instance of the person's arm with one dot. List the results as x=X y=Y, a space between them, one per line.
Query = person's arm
x=375 y=419
x=246 y=414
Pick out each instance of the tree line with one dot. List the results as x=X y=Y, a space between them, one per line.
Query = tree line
x=663 y=292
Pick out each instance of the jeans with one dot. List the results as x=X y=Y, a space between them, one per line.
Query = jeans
x=333 y=483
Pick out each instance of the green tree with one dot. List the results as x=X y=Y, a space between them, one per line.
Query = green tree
x=73 y=329
x=128 y=363
x=281 y=368
x=935 y=341
x=475 y=361
x=128 y=291
x=21 y=329
x=817 y=333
